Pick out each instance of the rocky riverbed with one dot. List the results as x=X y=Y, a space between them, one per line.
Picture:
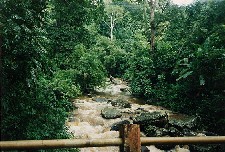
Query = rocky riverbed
x=99 y=115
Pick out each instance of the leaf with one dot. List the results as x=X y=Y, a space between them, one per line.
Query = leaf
x=185 y=75
x=201 y=80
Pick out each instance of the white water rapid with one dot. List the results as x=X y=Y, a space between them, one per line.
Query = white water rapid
x=86 y=121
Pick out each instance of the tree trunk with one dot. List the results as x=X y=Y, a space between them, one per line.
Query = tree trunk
x=111 y=26
x=1 y=71
x=145 y=18
x=152 y=24
x=1 y=77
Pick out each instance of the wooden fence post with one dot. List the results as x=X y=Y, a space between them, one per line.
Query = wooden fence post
x=131 y=138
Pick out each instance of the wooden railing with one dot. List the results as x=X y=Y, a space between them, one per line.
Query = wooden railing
x=130 y=141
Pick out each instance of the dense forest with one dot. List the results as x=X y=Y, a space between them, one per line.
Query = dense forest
x=56 y=50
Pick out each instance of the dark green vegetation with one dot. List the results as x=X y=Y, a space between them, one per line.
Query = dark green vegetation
x=186 y=72
x=46 y=61
x=53 y=51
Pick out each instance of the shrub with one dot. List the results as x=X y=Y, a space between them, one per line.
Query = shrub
x=91 y=72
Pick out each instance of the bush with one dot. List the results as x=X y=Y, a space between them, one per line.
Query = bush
x=64 y=84
x=113 y=58
x=140 y=73
x=37 y=111
x=202 y=86
x=192 y=85
x=91 y=72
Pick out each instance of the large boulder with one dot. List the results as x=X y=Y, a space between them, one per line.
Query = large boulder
x=157 y=119
x=153 y=131
x=184 y=125
x=110 y=113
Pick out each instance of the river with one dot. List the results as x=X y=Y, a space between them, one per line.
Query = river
x=87 y=122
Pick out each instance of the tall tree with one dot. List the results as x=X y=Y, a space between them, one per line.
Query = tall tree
x=113 y=13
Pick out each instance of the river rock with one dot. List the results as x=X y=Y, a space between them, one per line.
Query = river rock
x=207 y=148
x=124 y=89
x=98 y=99
x=89 y=95
x=71 y=119
x=153 y=131
x=157 y=119
x=116 y=126
x=120 y=103
x=144 y=149
x=184 y=125
x=110 y=113
x=116 y=81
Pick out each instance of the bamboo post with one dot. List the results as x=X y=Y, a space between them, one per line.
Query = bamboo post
x=130 y=135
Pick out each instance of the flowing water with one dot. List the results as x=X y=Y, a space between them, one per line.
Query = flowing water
x=86 y=121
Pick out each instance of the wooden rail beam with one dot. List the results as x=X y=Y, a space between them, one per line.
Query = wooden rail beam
x=80 y=143
x=61 y=143
x=182 y=140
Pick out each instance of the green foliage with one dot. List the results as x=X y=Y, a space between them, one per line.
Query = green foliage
x=43 y=60
x=152 y=78
x=113 y=58
x=64 y=84
x=50 y=111
x=141 y=69
x=115 y=62
x=30 y=108
x=71 y=38
x=91 y=72
x=186 y=72
x=204 y=85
